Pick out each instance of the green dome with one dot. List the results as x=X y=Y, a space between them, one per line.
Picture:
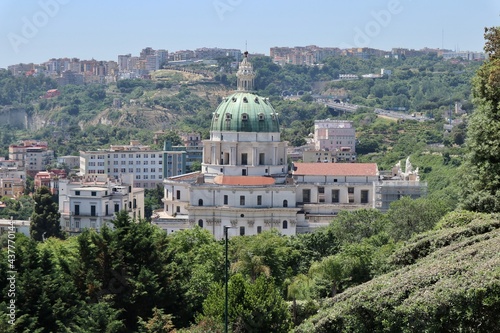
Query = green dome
x=245 y=112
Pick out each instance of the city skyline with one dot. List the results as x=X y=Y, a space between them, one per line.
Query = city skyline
x=36 y=31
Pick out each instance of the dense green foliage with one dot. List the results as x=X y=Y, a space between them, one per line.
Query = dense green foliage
x=481 y=190
x=449 y=282
x=17 y=90
x=45 y=220
x=135 y=278
x=18 y=209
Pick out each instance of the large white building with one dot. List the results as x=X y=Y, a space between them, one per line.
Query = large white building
x=245 y=183
x=334 y=135
x=146 y=165
x=93 y=201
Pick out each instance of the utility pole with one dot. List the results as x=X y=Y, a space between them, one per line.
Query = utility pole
x=226 y=280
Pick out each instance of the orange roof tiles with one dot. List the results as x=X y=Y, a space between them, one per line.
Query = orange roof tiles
x=335 y=169
x=244 y=180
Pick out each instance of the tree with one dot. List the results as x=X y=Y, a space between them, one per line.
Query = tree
x=481 y=188
x=354 y=226
x=45 y=220
x=407 y=216
x=252 y=265
x=333 y=269
x=253 y=307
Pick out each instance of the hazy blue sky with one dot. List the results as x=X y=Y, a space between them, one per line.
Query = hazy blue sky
x=34 y=31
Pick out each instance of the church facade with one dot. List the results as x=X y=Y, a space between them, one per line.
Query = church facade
x=245 y=182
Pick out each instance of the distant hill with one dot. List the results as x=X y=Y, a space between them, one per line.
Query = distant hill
x=446 y=280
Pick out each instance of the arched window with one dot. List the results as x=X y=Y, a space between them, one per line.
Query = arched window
x=285 y=224
x=285 y=203
x=200 y=202
x=200 y=223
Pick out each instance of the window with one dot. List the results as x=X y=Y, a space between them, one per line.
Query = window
x=200 y=223
x=135 y=203
x=259 y=229
x=146 y=155
x=77 y=192
x=200 y=202
x=321 y=190
x=364 y=196
x=242 y=231
x=178 y=195
x=153 y=155
x=77 y=209
x=92 y=210
x=117 y=208
x=335 y=196
x=107 y=210
x=178 y=209
x=306 y=195
x=115 y=162
x=262 y=158
x=244 y=159
x=259 y=200
x=137 y=155
x=137 y=169
x=93 y=193
x=350 y=190
x=226 y=199
x=77 y=223
x=92 y=223
x=285 y=203
x=242 y=200
x=285 y=224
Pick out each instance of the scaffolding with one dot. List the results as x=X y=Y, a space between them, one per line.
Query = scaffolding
x=387 y=191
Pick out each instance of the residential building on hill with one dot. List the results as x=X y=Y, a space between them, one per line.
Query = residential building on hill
x=146 y=165
x=93 y=201
x=31 y=155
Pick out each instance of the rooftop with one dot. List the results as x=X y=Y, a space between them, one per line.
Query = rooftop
x=335 y=169
x=244 y=180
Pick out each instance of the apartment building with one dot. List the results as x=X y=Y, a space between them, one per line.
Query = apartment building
x=334 y=135
x=145 y=164
x=31 y=155
x=93 y=201
x=12 y=181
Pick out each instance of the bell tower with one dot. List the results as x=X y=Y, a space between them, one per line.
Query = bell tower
x=245 y=74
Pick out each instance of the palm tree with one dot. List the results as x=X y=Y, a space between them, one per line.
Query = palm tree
x=251 y=265
x=299 y=288
x=333 y=268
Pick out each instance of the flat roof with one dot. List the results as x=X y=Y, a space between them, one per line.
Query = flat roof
x=244 y=180
x=335 y=169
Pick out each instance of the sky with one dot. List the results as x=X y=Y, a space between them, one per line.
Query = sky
x=37 y=30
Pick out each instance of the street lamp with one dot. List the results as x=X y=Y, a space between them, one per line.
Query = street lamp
x=226 y=279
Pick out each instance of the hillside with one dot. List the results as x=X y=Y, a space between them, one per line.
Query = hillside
x=448 y=281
